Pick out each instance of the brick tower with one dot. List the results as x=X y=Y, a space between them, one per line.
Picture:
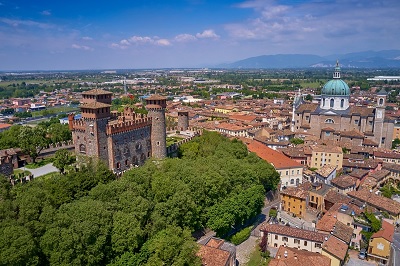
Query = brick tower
x=91 y=128
x=183 y=120
x=156 y=105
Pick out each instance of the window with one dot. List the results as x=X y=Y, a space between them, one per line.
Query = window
x=380 y=101
x=298 y=172
x=312 y=198
x=327 y=133
x=287 y=172
x=82 y=148
x=323 y=102
x=276 y=237
x=291 y=181
x=383 y=140
x=292 y=172
x=329 y=121
x=305 y=243
x=332 y=103
x=341 y=103
x=285 y=239
x=297 y=241
x=317 y=245
x=307 y=117
x=356 y=122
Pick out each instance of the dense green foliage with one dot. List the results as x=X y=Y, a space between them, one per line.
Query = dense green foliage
x=144 y=218
x=33 y=139
x=241 y=236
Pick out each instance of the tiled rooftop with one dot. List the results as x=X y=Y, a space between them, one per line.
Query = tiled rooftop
x=336 y=247
x=293 y=232
x=325 y=170
x=379 y=202
x=293 y=257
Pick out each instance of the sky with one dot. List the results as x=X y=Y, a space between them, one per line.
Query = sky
x=118 y=34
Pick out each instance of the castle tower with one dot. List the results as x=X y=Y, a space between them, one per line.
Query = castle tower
x=89 y=134
x=156 y=105
x=380 y=136
x=183 y=120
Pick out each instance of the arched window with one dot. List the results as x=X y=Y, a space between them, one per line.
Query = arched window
x=332 y=103
x=82 y=148
x=329 y=121
x=323 y=102
x=142 y=157
x=342 y=103
x=134 y=160
x=380 y=101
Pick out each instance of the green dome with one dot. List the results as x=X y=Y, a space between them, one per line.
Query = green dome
x=336 y=87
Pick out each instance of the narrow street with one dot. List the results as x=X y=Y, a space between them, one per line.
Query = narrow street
x=244 y=250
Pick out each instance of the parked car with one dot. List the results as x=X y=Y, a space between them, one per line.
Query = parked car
x=363 y=254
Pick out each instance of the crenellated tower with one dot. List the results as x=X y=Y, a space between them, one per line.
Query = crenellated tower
x=183 y=120
x=156 y=105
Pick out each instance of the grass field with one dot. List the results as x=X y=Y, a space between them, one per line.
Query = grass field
x=313 y=85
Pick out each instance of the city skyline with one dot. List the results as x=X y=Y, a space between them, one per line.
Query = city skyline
x=186 y=33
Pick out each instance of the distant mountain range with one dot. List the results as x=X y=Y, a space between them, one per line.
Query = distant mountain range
x=367 y=59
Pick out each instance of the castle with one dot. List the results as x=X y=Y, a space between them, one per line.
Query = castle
x=121 y=140
x=335 y=120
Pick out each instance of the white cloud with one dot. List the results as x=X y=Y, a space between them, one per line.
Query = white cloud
x=207 y=34
x=46 y=13
x=82 y=47
x=162 y=42
x=185 y=37
x=86 y=38
x=29 y=23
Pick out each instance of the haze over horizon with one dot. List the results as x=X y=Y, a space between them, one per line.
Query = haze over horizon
x=48 y=35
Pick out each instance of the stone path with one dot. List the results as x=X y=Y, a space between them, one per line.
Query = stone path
x=244 y=250
x=48 y=168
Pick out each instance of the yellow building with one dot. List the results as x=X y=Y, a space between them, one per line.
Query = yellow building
x=317 y=196
x=294 y=200
x=379 y=243
x=322 y=155
x=396 y=131
x=224 y=109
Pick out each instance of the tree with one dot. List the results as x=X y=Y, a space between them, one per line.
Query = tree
x=63 y=158
x=32 y=141
x=296 y=141
x=309 y=97
x=395 y=143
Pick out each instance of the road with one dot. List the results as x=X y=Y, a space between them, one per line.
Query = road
x=244 y=250
x=396 y=249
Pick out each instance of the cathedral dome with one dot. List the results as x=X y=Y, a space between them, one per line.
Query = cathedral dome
x=336 y=87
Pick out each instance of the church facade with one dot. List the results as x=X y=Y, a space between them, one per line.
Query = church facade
x=335 y=120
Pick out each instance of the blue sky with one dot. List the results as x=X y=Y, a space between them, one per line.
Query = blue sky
x=87 y=34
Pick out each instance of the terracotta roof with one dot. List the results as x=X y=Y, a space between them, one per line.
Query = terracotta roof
x=369 y=142
x=386 y=232
x=379 y=202
x=352 y=134
x=95 y=105
x=277 y=159
x=379 y=175
x=156 y=97
x=310 y=107
x=325 y=170
x=293 y=232
x=3 y=125
x=334 y=197
x=388 y=155
x=96 y=92
x=244 y=118
x=327 y=222
x=293 y=152
x=335 y=247
x=361 y=110
x=232 y=127
x=295 y=192
x=359 y=173
x=343 y=232
x=344 y=181
x=294 y=257
x=211 y=256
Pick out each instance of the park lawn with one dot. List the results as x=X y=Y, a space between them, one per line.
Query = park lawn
x=172 y=140
x=256 y=259
x=48 y=176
